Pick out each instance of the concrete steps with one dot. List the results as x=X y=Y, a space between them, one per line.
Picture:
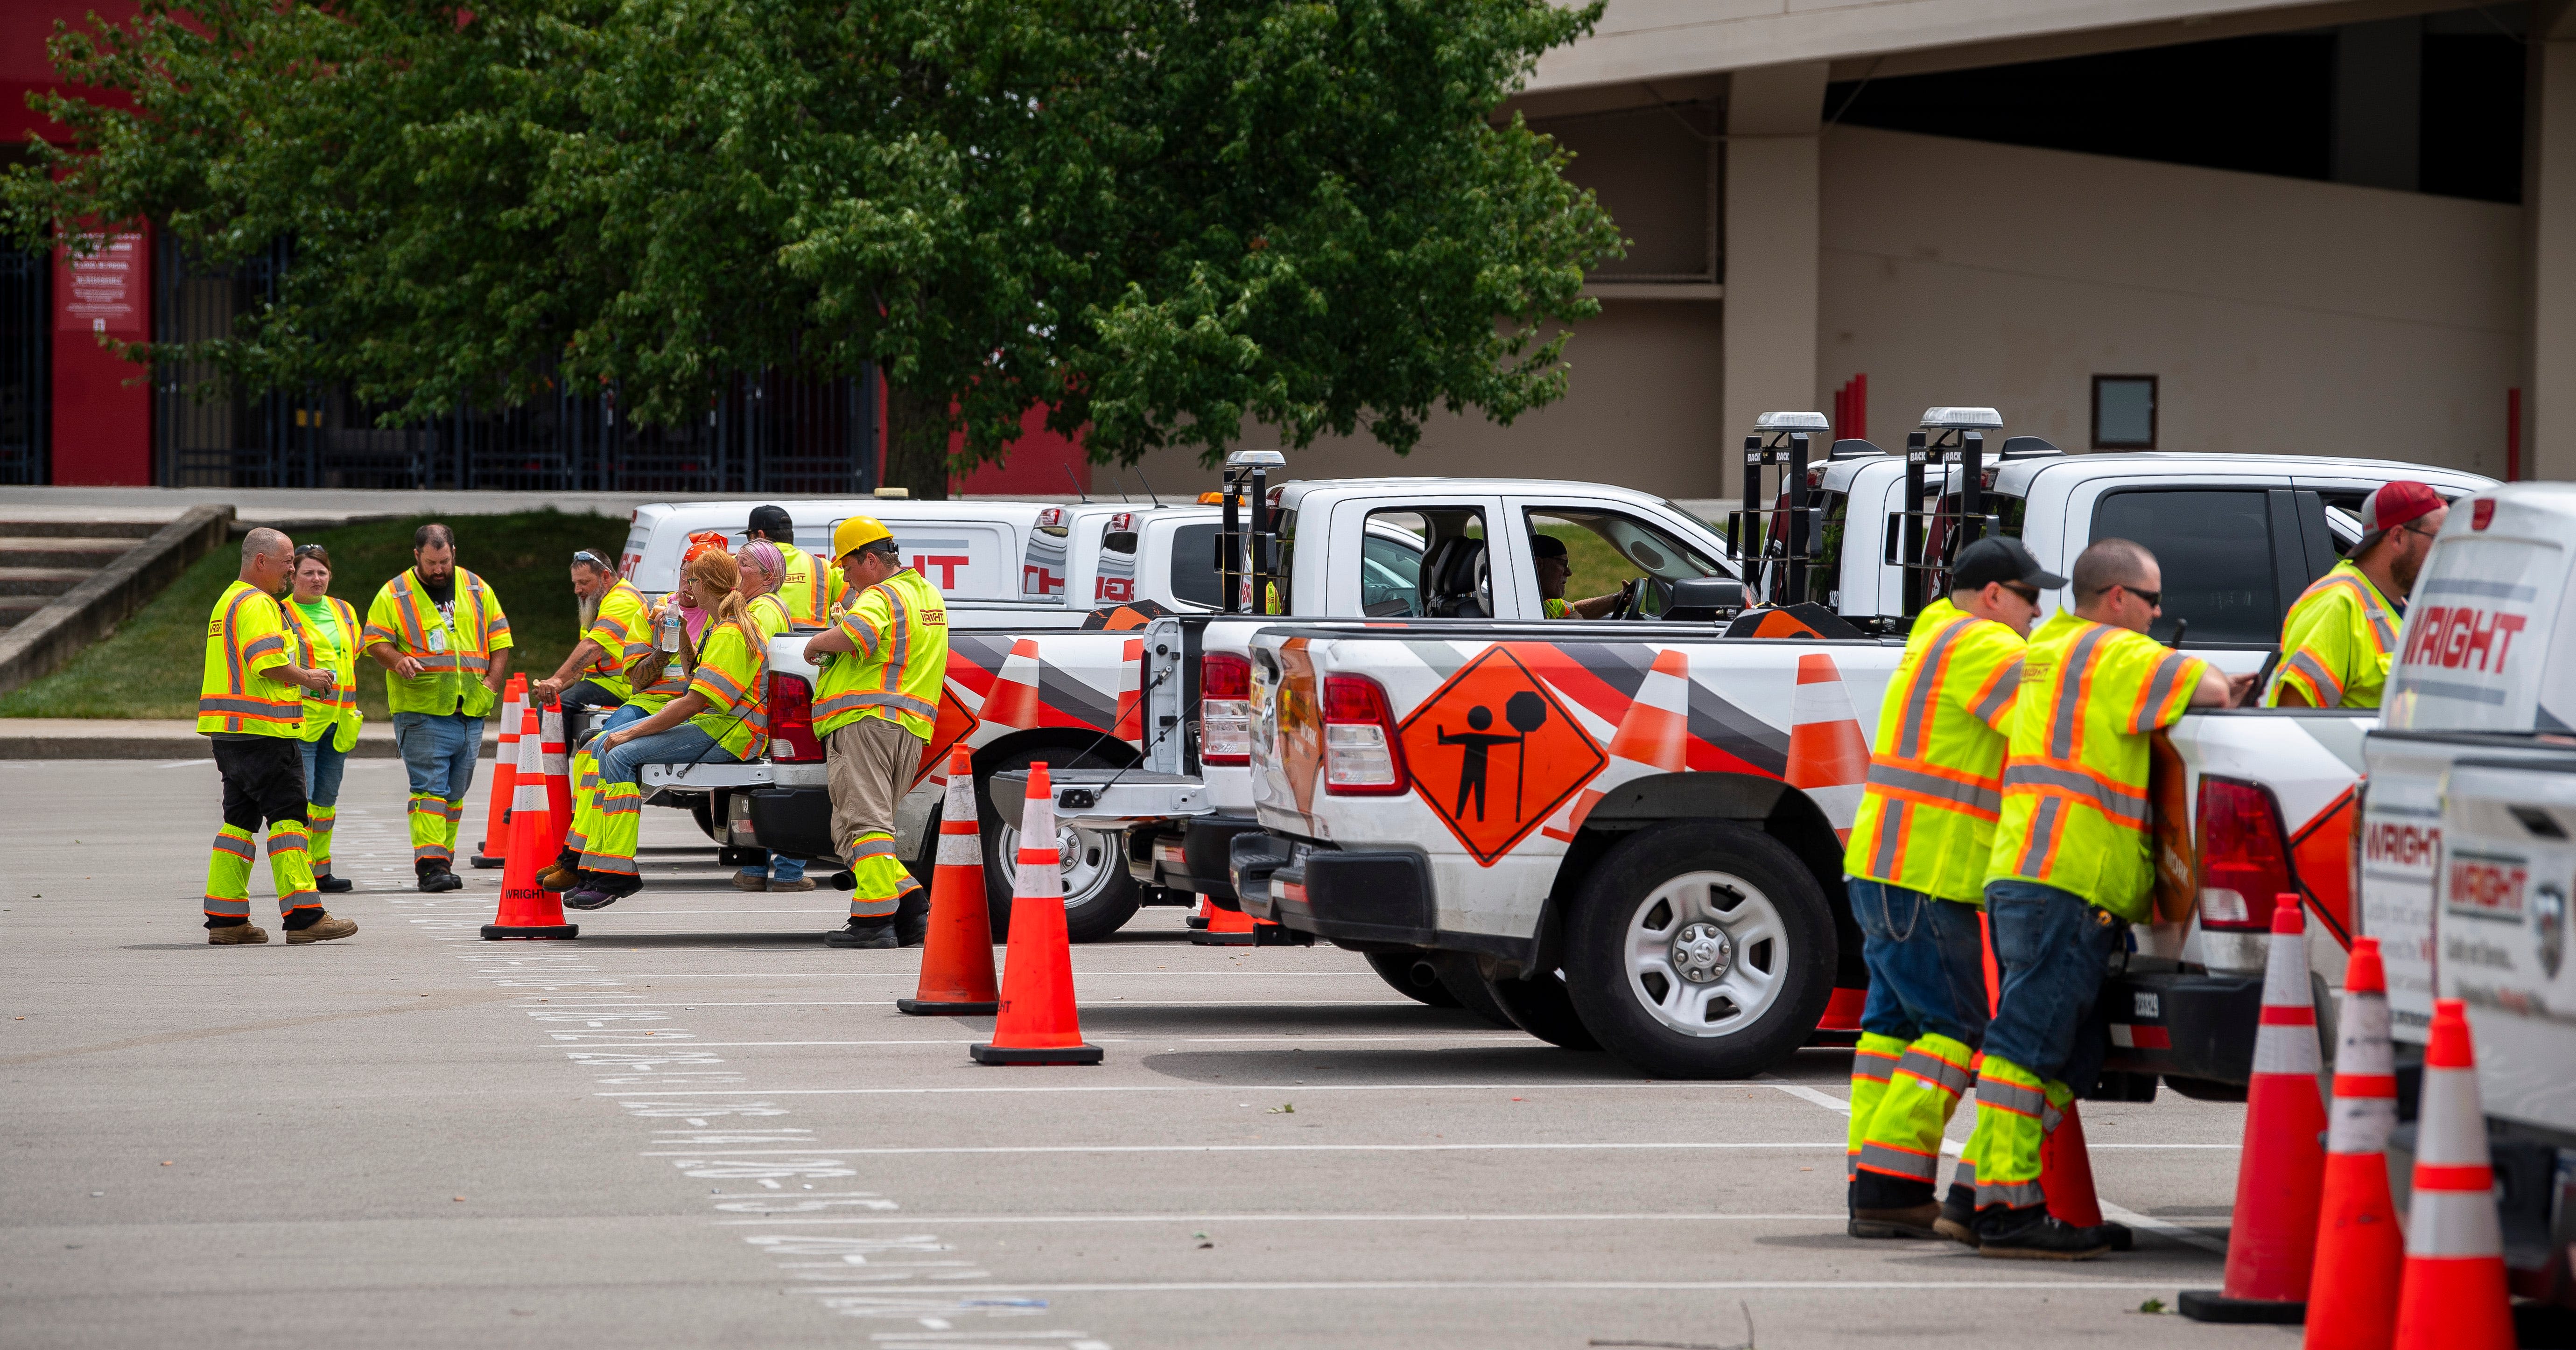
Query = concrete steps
x=67 y=578
x=44 y=558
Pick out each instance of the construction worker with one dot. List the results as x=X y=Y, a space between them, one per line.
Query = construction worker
x=326 y=631
x=721 y=719
x=1916 y=870
x=2069 y=870
x=594 y=674
x=763 y=568
x=876 y=696
x=1555 y=567
x=2338 y=639
x=810 y=589
x=445 y=645
x=250 y=702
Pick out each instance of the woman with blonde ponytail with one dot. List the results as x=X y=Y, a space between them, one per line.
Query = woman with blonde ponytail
x=721 y=719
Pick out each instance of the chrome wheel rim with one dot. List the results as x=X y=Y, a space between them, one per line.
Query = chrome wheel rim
x=1706 y=953
x=1083 y=857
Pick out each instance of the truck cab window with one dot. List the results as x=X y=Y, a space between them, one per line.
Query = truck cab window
x=1454 y=579
x=1390 y=575
x=2215 y=548
x=1606 y=550
x=1192 y=580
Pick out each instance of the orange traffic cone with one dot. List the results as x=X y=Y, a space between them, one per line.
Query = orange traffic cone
x=2280 y=1170
x=1200 y=917
x=2066 y=1172
x=557 y=768
x=957 y=956
x=1130 y=726
x=1828 y=755
x=1014 y=701
x=1225 y=928
x=1038 y=1023
x=505 y=767
x=527 y=909
x=2361 y=1255
x=2453 y=1295
x=1653 y=737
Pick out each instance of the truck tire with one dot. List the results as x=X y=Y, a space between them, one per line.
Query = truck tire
x=1413 y=975
x=1099 y=894
x=1541 y=1006
x=1700 y=949
x=1458 y=975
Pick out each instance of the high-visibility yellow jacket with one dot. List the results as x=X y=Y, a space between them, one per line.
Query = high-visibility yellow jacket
x=2076 y=812
x=244 y=636
x=899 y=628
x=769 y=614
x=812 y=588
x=1936 y=775
x=623 y=631
x=455 y=651
x=731 y=675
x=336 y=713
x=2337 y=643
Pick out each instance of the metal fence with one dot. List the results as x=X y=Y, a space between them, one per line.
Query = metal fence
x=26 y=365
x=768 y=431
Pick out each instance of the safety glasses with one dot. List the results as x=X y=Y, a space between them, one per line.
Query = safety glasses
x=588 y=558
x=2154 y=599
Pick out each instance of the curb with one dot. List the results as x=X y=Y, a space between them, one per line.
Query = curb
x=60 y=742
x=91 y=610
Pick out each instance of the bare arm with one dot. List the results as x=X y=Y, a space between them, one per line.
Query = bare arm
x=829 y=641
x=2220 y=690
x=584 y=653
x=499 y=674
x=319 y=681
x=406 y=666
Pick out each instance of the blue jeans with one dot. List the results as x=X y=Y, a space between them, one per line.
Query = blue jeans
x=438 y=752
x=780 y=867
x=2054 y=948
x=322 y=768
x=1927 y=964
x=682 y=744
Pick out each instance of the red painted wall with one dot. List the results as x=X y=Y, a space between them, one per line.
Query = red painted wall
x=1035 y=465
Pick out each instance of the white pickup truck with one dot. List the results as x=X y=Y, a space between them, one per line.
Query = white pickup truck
x=2465 y=855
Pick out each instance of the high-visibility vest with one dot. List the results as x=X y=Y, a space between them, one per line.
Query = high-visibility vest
x=2076 y=811
x=899 y=628
x=623 y=631
x=731 y=675
x=324 y=713
x=2337 y=643
x=1936 y=775
x=244 y=636
x=769 y=614
x=454 y=655
x=811 y=588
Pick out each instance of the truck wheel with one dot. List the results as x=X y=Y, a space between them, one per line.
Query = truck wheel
x=1700 y=949
x=1099 y=894
x=1458 y=975
x=1541 y=1006
x=1413 y=975
x=702 y=808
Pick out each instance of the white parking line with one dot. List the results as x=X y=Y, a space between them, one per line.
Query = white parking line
x=1252 y=1089
x=1645 y=1286
x=1188 y=1218
x=1222 y=1148
x=1123 y=1003
x=1507 y=1036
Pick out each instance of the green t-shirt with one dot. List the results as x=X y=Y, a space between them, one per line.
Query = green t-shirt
x=318 y=613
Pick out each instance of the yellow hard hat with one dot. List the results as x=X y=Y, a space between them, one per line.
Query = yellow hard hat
x=856 y=533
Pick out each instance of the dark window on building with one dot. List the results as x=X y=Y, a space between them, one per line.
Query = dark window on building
x=2124 y=412
x=26 y=365
x=2473 y=115
x=1655 y=172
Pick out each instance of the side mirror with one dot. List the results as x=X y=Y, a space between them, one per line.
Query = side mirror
x=1705 y=599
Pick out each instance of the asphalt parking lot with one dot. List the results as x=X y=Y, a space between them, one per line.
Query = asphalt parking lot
x=698 y=1126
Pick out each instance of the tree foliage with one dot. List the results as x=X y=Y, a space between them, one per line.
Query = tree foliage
x=1157 y=217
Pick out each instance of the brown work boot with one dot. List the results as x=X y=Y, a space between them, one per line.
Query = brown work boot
x=323 y=931
x=1915 y=1222
x=799 y=884
x=746 y=881
x=559 y=878
x=236 y=935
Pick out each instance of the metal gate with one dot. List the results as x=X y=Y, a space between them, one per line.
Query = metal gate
x=26 y=366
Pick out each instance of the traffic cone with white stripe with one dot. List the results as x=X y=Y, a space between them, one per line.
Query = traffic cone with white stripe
x=1014 y=701
x=1653 y=737
x=2453 y=1295
x=957 y=955
x=2361 y=1254
x=2280 y=1170
x=1037 y=1022
x=1828 y=755
x=557 y=768
x=1224 y=928
x=527 y=909
x=505 y=771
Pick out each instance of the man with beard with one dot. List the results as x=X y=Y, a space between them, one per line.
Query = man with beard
x=2339 y=638
x=445 y=645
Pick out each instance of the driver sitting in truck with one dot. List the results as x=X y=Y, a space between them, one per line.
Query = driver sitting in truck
x=1555 y=568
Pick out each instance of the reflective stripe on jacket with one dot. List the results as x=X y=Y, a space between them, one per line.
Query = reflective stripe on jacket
x=451 y=681
x=2076 y=812
x=623 y=632
x=324 y=713
x=812 y=587
x=1936 y=775
x=244 y=636
x=899 y=628
x=732 y=676
x=2337 y=643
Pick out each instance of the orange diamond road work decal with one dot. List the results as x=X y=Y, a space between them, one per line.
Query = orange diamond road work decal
x=1494 y=753
x=956 y=722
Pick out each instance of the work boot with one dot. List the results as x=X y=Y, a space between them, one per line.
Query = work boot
x=873 y=934
x=799 y=884
x=599 y=890
x=331 y=885
x=1915 y=1221
x=236 y=935
x=435 y=877
x=558 y=876
x=1958 y=1221
x=750 y=881
x=322 y=930
x=914 y=929
x=2117 y=1234
x=2031 y=1233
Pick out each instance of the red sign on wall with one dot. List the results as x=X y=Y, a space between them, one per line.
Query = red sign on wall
x=103 y=292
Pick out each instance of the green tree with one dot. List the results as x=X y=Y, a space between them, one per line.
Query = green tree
x=1155 y=217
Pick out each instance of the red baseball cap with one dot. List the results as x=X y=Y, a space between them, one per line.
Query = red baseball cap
x=2392 y=505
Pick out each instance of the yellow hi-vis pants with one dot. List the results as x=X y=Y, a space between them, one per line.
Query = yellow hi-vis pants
x=1873 y=1062
x=585 y=802
x=611 y=846
x=880 y=876
x=319 y=821
x=228 y=871
x=1903 y=1137
x=430 y=840
x=2015 y=1111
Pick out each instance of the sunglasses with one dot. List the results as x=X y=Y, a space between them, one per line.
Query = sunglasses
x=2029 y=594
x=593 y=559
x=312 y=551
x=2154 y=599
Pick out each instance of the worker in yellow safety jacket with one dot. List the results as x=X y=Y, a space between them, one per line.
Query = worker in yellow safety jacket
x=444 y=642
x=1915 y=869
x=763 y=568
x=882 y=665
x=593 y=674
x=662 y=673
x=2069 y=870
x=250 y=703
x=2339 y=638
x=326 y=629
x=809 y=587
x=722 y=718
x=1555 y=567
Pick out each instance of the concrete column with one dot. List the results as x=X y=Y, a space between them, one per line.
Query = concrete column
x=2549 y=204
x=1773 y=117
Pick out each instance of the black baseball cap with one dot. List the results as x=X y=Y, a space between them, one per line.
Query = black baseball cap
x=1546 y=546
x=1996 y=558
x=772 y=522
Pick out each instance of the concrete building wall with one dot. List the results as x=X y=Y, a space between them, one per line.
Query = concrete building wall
x=2279 y=314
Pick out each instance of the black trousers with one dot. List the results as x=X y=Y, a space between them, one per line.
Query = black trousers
x=587 y=694
x=263 y=781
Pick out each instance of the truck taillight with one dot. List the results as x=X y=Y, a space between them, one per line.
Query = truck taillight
x=1362 y=758
x=1225 y=709
x=791 y=721
x=2244 y=855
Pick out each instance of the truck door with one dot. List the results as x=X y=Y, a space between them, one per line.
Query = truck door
x=2234 y=555
x=1458 y=577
